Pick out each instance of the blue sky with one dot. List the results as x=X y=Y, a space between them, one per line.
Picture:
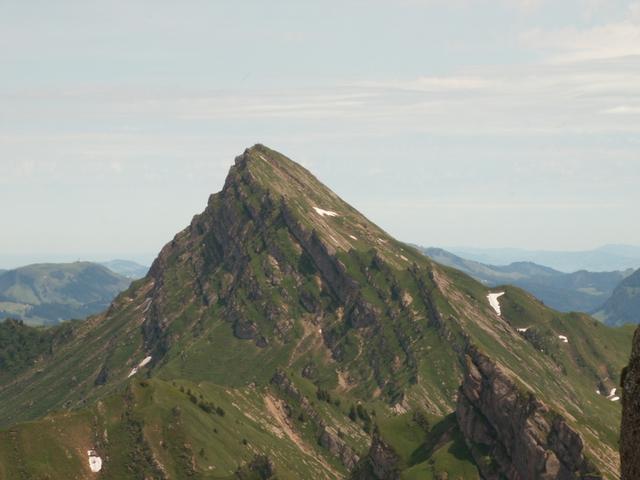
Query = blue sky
x=459 y=122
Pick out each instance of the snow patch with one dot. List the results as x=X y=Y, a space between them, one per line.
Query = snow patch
x=563 y=338
x=523 y=330
x=325 y=213
x=95 y=462
x=146 y=309
x=352 y=237
x=262 y=157
x=493 y=301
x=144 y=362
x=404 y=258
x=614 y=399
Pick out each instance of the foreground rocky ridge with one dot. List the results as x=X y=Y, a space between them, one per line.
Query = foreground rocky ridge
x=512 y=434
x=282 y=324
x=630 y=430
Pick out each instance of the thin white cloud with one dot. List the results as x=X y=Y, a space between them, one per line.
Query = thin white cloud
x=450 y=83
x=571 y=44
x=623 y=110
x=517 y=100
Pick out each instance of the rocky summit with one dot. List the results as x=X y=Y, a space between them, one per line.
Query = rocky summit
x=284 y=335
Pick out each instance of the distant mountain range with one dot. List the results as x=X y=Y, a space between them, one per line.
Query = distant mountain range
x=603 y=259
x=126 y=268
x=49 y=293
x=624 y=304
x=580 y=291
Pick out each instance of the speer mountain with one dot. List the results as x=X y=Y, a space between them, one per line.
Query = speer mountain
x=283 y=335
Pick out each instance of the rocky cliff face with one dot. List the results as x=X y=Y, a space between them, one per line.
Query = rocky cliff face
x=630 y=430
x=325 y=437
x=512 y=434
x=381 y=463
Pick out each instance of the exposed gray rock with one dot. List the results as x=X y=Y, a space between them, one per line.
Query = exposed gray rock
x=381 y=463
x=512 y=434
x=338 y=448
x=630 y=430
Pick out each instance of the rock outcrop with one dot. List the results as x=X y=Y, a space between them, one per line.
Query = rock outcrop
x=513 y=435
x=327 y=438
x=630 y=430
x=381 y=463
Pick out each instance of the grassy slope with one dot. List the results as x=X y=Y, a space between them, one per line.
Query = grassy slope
x=563 y=375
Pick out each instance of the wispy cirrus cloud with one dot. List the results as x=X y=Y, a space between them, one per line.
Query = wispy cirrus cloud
x=623 y=110
x=604 y=41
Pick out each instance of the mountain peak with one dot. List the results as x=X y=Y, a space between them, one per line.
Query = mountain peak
x=261 y=173
x=282 y=303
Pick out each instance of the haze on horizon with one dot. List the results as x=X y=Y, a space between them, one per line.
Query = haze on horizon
x=481 y=123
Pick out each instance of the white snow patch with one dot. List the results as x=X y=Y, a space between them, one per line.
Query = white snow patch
x=404 y=258
x=144 y=362
x=262 y=157
x=148 y=301
x=615 y=399
x=523 y=330
x=352 y=237
x=493 y=301
x=612 y=394
x=95 y=462
x=325 y=213
x=563 y=338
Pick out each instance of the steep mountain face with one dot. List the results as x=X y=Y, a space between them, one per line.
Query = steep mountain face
x=630 y=430
x=282 y=333
x=580 y=291
x=624 y=305
x=50 y=293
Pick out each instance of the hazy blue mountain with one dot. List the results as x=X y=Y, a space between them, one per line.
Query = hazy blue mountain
x=126 y=268
x=581 y=291
x=603 y=259
x=624 y=305
x=49 y=293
